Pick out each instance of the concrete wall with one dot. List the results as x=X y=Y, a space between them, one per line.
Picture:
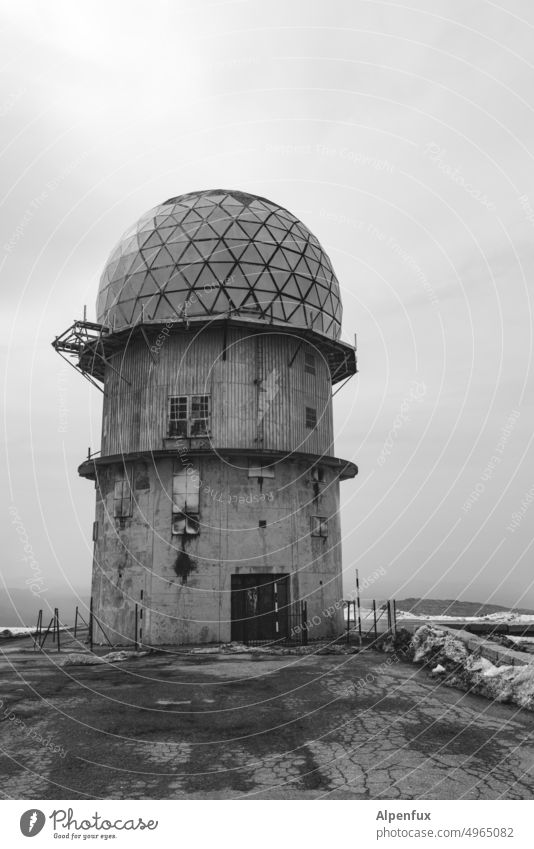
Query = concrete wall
x=187 y=599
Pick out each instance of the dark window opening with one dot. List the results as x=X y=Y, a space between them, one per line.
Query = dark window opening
x=311 y=417
x=309 y=363
x=263 y=523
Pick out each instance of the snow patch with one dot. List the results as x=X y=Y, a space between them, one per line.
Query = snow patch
x=514 y=684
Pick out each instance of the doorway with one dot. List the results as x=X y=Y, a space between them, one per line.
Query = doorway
x=259 y=608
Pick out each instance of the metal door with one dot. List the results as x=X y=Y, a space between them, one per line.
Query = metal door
x=259 y=608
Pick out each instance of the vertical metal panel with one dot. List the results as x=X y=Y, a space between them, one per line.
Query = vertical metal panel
x=137 y=389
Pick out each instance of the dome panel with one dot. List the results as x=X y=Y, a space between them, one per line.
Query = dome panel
x=225 y=250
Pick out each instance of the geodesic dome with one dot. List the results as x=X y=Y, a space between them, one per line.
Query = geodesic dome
x=220 y=253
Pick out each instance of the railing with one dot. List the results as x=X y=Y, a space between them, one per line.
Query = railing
x=368 y=617
x=54 y=627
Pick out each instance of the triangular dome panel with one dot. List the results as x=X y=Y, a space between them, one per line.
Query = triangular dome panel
x=220 y=246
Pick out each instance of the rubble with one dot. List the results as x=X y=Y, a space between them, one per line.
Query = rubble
x=460 y=668
x=89 y=659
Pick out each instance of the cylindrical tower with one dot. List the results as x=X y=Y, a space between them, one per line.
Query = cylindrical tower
x=217 y=345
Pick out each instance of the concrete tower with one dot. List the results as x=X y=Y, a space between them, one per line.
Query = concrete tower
x=217 y=489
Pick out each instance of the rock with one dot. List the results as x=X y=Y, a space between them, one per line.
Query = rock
x=80 y=659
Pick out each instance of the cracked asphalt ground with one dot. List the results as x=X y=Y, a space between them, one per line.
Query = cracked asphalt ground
x=244 y=726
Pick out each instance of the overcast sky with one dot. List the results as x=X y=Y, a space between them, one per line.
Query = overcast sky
x=402 y=137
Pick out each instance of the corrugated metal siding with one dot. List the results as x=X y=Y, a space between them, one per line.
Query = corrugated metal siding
x=135 y=408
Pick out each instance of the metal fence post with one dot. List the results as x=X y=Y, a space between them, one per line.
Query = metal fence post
x=91 y=624
x=38 y=630
x=374 y=618
x=304 y=622
x=358 y=602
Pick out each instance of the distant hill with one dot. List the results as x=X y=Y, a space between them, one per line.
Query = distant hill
x=452 y=607
x=23 y=607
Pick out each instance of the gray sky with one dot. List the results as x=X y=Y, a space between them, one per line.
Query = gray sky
x=403 y=139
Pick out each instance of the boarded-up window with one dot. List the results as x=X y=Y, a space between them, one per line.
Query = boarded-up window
x=319 y=526
x=122 y=495
x=185 y=500
x=311 y=417
x=257 y=471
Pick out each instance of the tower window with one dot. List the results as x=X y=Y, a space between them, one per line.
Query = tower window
x=200 y=414
x=319 y=526
x=177 y=415
x=309 y=363
x=263 y=523
x=185 y=501
x=317 y=474
x=311 y=417
x=189 y=415
x=122 y=496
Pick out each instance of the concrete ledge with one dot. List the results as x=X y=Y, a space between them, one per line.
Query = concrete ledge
x=498 y=655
